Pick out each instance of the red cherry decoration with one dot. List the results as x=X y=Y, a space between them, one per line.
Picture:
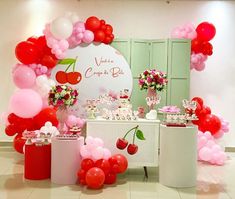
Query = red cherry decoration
x=74 y=77
x=61 y=77
x=121 y=143
x=132 y=149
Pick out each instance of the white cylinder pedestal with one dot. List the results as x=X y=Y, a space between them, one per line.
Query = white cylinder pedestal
x=65 y=160
x=178 y=156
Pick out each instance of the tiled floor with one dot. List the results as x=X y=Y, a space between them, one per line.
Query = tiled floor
x=213 y=183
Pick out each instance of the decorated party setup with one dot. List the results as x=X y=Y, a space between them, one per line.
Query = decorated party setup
x=86 y=108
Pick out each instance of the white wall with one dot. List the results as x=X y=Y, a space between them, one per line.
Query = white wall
x=20 y=19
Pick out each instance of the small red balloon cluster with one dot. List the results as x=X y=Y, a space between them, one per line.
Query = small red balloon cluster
x=17 y=125
x=206 y=121
x=102 y=32
x=205 y=32
x=35 y=50
x=95 y=174
x=131 y=148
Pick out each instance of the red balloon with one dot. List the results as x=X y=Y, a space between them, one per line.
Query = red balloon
x=205 y=111
x=196 y=45
x=110 y=178
x=27 y=52
x=104 y=165
x=46 y=115
x=14 y=119
x=210 y=123
x=107 y=40
x=33 y=39
x=199 y=100
x=19 y=143
x=207 y=48
x=95 y=178
x=198 y=109
x=49 y=61
x=92 y=23
x=11 y=130
x=119 y=160
x=81 y=174
x=102 y=22
x=108 y=29
x=87 y=164
x=205 y=31
x=111 y=36
x=99 y=36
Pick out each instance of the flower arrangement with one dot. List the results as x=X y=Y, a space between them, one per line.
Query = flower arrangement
x=62 y=95
x=154 y=79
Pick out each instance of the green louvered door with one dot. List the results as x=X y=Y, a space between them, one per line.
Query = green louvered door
x=169 y=55
x=178 y=71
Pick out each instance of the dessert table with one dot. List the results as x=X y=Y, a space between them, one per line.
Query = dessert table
x=178 y=156
x=110 y=130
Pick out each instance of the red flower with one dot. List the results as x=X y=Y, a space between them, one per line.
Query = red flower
x=66 y=97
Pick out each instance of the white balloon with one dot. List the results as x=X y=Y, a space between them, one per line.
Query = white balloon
x=73 y=17
x=48 y=124
x=61 y=28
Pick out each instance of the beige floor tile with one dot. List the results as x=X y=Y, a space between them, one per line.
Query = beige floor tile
x=214 y=182
x=106 y=193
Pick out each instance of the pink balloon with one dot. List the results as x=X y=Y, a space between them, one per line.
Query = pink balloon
x=88 y=36
x=24 y=77
x=80 y=122
x=26 y=103
x=200 y=67
x=205 y=154
x=99 y=142
x=201 y=142
x=208 y=135
x=97 y=153
x=107 y=154
x=85 y=153
x=71 y=121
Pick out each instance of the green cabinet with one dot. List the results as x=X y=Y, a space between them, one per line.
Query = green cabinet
x=168 y=55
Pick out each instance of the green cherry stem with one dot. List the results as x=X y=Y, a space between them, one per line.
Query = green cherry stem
x=134 y=135
x=136 y=127
x=74 y=63
x=68 y=67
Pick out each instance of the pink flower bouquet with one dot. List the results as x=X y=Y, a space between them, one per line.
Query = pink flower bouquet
x=153 y=79
x=62 y=95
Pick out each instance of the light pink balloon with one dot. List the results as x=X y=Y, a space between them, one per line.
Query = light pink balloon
x=210 y=143
x=71 y=121
x=97 y=153
x=88 y=37
x=201 y=142
x=80 y=122
x=107 y=154
x=26 y=103
x=24 y=77
x=216 y=148
x=208 y=135
x=85 y=153
x=99 y=142
x=205 y=154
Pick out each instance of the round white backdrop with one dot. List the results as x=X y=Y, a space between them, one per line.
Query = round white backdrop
x=103 y=68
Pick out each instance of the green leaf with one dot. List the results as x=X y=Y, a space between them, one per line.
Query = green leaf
x=67 y=61
x=140 y=135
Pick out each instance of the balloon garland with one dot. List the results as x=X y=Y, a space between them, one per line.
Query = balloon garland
x=29 y=108
x=201 y=48
x=211 y=127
